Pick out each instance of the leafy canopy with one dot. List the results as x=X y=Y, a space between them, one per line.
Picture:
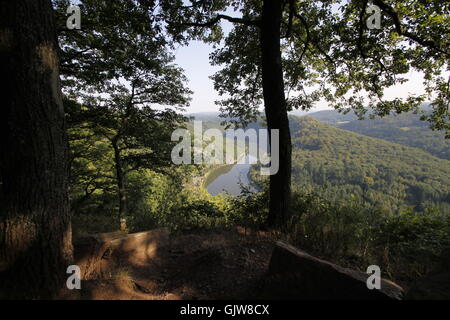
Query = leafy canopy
x=328 y=53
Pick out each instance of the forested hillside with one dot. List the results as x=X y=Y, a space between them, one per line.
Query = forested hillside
x=344 y=166
x=413 y=172
x=406 y=129
x=333 y=117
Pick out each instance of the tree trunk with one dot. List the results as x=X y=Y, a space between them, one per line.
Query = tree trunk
x=120 y=175
x=35 y=231
x=275 y=109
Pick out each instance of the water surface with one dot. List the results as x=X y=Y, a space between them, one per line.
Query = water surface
x=229 y=178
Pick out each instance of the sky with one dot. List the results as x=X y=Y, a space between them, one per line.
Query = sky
x=194 y=59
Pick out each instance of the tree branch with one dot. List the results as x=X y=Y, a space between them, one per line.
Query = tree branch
x=309 y=39
x=291 y=18
x=401 y=31
x=216 y=19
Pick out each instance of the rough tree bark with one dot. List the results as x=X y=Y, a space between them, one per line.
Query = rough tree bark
x=275 y=110
x=35 y=231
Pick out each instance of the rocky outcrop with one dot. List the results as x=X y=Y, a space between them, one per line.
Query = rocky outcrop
x=141 y=246
x=95 y=254
x=294 y=274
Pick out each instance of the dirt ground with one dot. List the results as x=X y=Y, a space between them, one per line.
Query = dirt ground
x=224 y=264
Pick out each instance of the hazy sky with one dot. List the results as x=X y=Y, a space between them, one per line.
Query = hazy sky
x=194 y=59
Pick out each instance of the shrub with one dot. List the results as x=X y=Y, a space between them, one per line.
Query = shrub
x=405 y=245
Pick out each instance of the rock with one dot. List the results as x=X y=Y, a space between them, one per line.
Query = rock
x=108 y=236
x=94 y=254
x=88 y=255
x=141 y=245
x=294 y=274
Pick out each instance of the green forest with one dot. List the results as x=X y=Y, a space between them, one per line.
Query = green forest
x=406 y=129
x=385 y=175
x=364 y=185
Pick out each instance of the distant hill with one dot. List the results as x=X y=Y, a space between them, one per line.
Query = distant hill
x=406 y=129
x=391 y=163
x=385 y=174
x=333 y=117
x=205 y=116
x=214 y=116
x=343 y=166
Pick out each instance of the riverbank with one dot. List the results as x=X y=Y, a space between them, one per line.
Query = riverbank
x=214 y=172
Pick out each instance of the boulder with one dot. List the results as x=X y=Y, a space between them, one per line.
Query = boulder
x=90 y=255
x=141 y=246
x=97 y=254
x=108 y=236
x=294 y=274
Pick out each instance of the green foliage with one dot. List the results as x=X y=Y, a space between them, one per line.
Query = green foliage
x=326 y=229
x=328 y=53
x=160 y=200
x=410 y=245
x=406 y=129
x=150 y=198
x=249 y=209
x=89 y=223
x=406 y=245
x=119 y=41
x=123 y=94
x=341 y=165
x=196 y=215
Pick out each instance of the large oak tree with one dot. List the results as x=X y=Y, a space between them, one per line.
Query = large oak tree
x=35 y=232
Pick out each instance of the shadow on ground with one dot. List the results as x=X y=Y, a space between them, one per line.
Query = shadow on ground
x=220 y=264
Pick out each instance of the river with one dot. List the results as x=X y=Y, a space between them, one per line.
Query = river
x=228 y=178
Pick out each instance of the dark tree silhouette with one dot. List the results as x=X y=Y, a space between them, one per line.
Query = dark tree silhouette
x=35 y=231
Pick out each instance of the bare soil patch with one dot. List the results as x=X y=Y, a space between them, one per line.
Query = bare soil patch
x=219 y=264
